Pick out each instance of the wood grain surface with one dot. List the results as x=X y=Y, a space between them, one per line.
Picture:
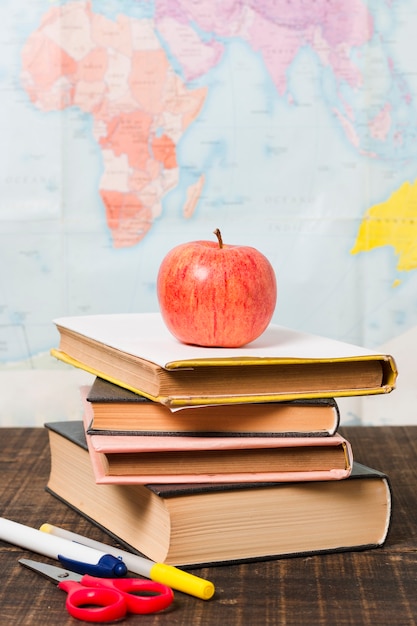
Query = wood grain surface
x=373 y=587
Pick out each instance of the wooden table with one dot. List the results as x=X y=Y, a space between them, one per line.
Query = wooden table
x=376 y=587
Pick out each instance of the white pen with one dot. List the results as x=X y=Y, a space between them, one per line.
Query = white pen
x=74 y=556
x=159 y=572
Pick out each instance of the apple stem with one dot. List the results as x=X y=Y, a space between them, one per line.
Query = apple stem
x=219 y=237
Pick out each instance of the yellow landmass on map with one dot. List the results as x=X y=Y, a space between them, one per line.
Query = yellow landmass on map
x=392 y=223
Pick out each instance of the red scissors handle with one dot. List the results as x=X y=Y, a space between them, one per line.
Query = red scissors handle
x=141 y=596
x=109 y=599
x=98 y=604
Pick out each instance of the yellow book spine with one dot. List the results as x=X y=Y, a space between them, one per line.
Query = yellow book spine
x=178 y=402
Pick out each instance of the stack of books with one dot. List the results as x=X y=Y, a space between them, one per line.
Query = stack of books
x=197 y=456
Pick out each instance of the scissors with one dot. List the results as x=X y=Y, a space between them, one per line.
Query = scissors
x=104 y=599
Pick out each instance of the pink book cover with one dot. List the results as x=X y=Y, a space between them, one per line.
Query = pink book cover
x=100 y=445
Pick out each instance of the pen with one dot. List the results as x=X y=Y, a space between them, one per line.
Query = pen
x=159 y=572
x=74 y=556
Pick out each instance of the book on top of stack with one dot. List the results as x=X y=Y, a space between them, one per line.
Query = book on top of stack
x=138 y=352
x=207 y=432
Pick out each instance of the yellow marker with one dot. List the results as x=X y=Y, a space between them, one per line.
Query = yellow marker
x=166 y=574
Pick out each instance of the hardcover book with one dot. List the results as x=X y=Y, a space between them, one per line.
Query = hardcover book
x=116 y=410
x=137 y=351
x=207 y=523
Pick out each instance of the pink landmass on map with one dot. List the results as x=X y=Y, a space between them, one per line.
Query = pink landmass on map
x=277 y=29
x=380 y=125
x=127 y=133
x=117 y=72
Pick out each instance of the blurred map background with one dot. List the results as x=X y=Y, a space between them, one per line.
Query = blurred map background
x=128 y=127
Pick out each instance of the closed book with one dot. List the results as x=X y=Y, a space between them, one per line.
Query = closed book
x=116 y=410
x=138 y=352
x=207 y=523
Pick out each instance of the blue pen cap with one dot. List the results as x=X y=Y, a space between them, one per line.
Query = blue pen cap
x=108 y=566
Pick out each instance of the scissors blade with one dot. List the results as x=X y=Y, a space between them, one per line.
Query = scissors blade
x=53 y=573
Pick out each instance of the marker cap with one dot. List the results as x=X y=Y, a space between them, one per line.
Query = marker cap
x=108 y=566
x=183 y=581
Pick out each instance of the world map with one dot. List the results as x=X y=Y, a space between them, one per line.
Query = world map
x=130 y=127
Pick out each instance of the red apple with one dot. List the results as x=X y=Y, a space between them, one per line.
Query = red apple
x=212 y=294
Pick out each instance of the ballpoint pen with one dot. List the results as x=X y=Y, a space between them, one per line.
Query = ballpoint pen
x=167 y=574
x=74 y=556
